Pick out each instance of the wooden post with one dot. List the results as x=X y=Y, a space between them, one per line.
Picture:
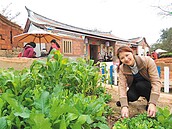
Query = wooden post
x=166 y=79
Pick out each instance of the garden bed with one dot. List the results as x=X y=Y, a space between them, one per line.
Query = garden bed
x=135 y=108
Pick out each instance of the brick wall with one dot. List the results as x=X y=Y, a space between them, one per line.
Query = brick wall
x=78 y=47
x=8 y=29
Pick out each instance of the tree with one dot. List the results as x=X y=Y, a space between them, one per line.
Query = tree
x=165 y=41
x=155 y=46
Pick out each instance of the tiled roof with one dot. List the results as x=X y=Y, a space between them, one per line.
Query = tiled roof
x=55 y=25
x=138 y=40
x=5 y=20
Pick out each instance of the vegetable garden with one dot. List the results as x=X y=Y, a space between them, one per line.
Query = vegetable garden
x=60 y=94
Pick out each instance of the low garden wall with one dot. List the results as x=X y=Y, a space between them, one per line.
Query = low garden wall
x=10 y=53
x=165 y=62
x=18 y=63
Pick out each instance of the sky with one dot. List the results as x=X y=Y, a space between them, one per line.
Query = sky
x=123 y=18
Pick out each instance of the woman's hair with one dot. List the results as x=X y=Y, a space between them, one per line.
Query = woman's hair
x=32 y=44
x=54 y=41
x=122 y=49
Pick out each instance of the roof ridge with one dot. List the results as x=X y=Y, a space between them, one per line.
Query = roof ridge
x=53 y=24
x=91 y=30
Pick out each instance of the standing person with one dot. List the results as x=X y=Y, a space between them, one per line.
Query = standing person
x=100 y=58
x=110 y=56
x=106 y=57
x=154 y=55
x=54 y=45
x=140 y=75
x=29 y=50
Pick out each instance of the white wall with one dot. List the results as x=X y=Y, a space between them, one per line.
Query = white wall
x=39 y=46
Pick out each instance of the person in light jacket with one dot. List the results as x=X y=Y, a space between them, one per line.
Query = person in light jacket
x=140 y=75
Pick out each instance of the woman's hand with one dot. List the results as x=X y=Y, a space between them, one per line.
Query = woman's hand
x=151 y=110
x=124 y=112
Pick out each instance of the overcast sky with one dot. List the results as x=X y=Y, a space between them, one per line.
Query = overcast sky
x=125 y=18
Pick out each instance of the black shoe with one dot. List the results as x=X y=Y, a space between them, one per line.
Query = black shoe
x=118 y=103
x=146 y=108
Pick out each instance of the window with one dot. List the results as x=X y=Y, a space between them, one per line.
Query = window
x=11 y=36
x=67 y=46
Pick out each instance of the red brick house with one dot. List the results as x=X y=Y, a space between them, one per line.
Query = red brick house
x=74 y=41
x=7 y=30
x=78 y=42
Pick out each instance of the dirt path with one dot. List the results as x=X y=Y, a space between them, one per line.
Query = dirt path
x=135 y=108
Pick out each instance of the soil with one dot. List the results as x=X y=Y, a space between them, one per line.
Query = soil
x=135 y=108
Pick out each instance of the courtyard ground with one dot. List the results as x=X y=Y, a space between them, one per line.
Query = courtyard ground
x=165 y=100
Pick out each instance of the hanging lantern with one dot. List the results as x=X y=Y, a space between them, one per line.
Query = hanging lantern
x=86 y=40
x=107 y=44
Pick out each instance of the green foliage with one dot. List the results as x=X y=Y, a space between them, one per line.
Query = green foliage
x=39 y=121
x=164 y=55
x=164 y=117
x=155 y=46
x=105 y=75
x=79 y=76
x=3 y=122
x=165 y=41
x=56 y=94
x=163 y=120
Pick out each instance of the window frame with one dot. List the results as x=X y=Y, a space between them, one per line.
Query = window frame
x=67 y=46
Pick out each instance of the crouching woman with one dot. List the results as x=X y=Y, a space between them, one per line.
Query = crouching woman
x=138 y=76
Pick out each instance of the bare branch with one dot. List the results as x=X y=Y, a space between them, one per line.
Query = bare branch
x=8 y=13
x=166 y=11
x=17 y=14
x=162 y=9
x=6 y=9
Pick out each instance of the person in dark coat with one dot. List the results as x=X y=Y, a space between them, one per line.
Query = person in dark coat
x=29 y=50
